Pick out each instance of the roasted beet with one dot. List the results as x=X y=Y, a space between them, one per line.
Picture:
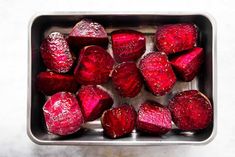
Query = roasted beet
x=119 y=121
x=127 y=45
x=56 y=54
x=157 y=73
x=62 y=114
x=87 y=32
x=174 y=38
x=191 y=110
x=153 y=118
x=127 y=79
x=93 y=101
x=50 y=83
x=188 y=64
x=94 y=66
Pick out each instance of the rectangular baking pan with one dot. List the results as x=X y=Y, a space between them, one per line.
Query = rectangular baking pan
x=43 y=24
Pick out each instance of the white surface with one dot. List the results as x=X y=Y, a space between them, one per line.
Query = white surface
x=14 y=17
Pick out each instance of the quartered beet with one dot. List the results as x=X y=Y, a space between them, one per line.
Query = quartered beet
x=174 y=38
x=50 y=83
x=62 y=114
x=93 y=101
x=56 y=54
x=118 y=122
x=191 y=110
x=157 y=73
x=127 y=79
x=153 y=118
x=87 y=32
x=94 y=66
x=127 y=45
x=187 y=65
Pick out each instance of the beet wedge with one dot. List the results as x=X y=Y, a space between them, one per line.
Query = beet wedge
x=187 y=65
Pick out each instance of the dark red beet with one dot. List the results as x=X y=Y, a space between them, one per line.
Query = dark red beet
x=174 y=38
x=127 y=45
x=94 y=101
x=62 y=114
x=191 y=110
x=127 y=79
x=87 y=32
x=50 y=83
x=94 y=66
x=119 y=121
x=188 y=64
x=153 y=118
x=56 y=54
x=157 y=73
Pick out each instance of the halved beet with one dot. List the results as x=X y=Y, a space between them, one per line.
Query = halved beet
x=50 y=83
x=87 y=32
x=127 y=79
x=153 y=118
x=119 y=121
x=173 y=38
x=157 y=73
x=94 y=66
x=56 y=54
x=127 y=45
x=191 y=110
x=62 y=114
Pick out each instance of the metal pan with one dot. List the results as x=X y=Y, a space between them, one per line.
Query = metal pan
x=43 y=24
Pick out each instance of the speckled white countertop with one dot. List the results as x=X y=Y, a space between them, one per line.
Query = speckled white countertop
x=14 y=18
